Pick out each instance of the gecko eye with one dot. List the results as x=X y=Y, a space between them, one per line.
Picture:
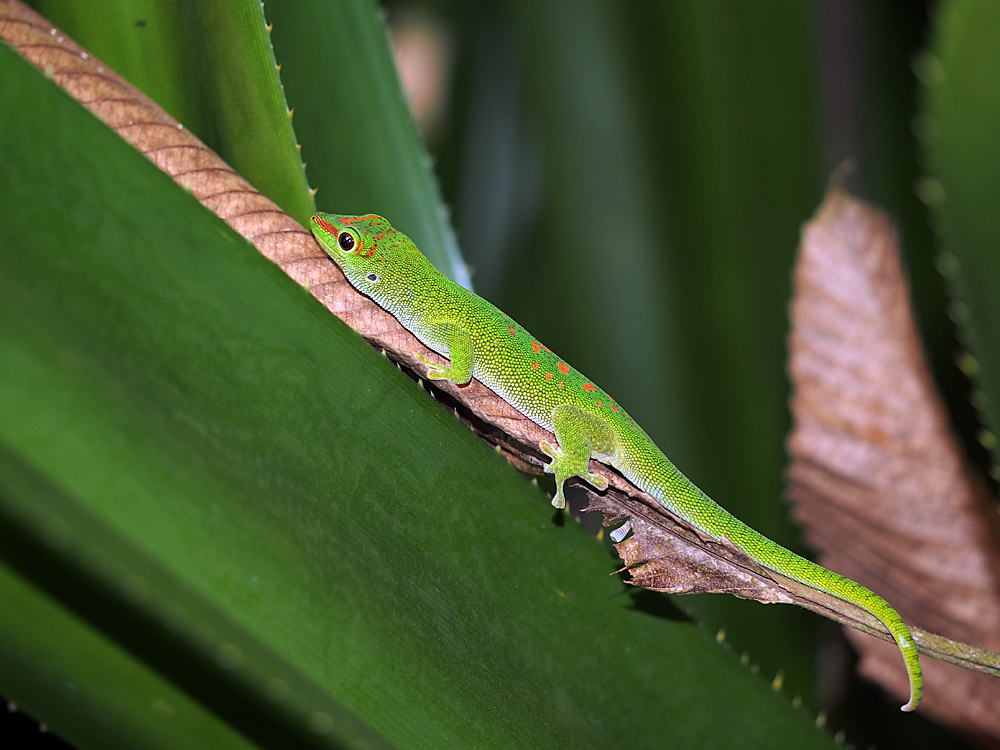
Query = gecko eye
x=372 y=277
x=346 y=241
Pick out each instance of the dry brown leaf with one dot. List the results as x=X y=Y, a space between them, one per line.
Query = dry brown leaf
x=877 y=478
x=663 y=554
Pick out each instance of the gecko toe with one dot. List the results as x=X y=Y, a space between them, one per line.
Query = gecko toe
x=598 y=481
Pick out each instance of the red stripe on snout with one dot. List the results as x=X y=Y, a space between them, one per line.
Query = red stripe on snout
x=326 y=226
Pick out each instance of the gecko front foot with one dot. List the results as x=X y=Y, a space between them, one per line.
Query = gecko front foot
x=436 y=371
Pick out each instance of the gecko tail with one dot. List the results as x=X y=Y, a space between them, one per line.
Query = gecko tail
x=912 y=659
x=911 y=656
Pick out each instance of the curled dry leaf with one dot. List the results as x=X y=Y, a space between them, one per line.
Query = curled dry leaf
x=877 y=478
x=663 y=554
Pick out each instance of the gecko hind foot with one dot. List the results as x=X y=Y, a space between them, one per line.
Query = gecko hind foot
x=562 y=466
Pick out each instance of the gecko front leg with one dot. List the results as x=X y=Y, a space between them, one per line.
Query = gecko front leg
x=459 y=344
x=580 y=435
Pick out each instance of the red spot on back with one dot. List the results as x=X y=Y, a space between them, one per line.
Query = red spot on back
x=600 y=404
x=546 y=349
x=589 y=387
x=563 y=367
x=535 y=347
x=534 y=365
x=562 y=384
x=614 y=407
x=513 y=331
x=548 y=376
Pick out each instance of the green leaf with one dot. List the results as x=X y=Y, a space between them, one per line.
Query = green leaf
x=121 y=654
x=174 y=386
x=960 y=75
x=61 y=666
x=210 y=65
x=354 y=124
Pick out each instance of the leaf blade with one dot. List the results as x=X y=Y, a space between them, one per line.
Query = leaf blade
x=210 y=426
x=211 y=66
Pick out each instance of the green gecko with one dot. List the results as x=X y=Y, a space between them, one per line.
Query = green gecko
x=484 y=343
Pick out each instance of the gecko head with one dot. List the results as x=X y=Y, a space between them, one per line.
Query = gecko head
x=360 y=245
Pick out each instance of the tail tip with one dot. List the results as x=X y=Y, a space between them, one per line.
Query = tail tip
x=911 y=705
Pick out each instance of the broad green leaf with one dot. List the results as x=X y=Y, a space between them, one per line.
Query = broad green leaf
x=179 y=389
x=60 y=667
x=210 y=65
x=176 y=677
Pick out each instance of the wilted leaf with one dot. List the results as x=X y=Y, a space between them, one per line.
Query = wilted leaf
x=878 y=480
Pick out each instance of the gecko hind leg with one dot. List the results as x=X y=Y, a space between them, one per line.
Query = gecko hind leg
x=580 y=435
